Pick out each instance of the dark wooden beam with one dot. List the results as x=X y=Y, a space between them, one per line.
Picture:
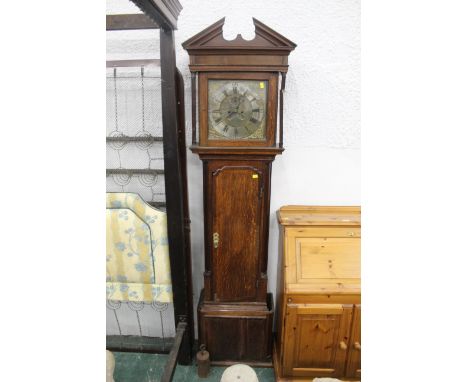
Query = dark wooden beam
x=132 y=63
x=139 y=344
x=129 y=22
x=157 y=204
x=163 y=12
x=174 y=185
x=189 y=338
x=132 y=171
x=125 y=138
x=171 y=363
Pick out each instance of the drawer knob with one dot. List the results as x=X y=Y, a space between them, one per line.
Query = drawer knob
x=289 y=299
x=351 y=233
x=343 y=345
x=357 y=346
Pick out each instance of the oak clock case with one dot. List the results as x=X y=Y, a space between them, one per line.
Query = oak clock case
x=235 y=100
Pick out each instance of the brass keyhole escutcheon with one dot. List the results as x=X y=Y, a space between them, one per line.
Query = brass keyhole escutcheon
x=216 y=239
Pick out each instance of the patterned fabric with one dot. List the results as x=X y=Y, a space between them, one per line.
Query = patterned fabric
x=137 y=252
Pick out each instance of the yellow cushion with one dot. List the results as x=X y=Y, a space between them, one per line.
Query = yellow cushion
x=138 y=267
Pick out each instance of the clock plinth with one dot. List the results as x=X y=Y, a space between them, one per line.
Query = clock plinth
x=237 y=93
x=237 y=332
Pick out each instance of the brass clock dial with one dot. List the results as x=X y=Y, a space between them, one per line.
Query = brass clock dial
x=236 y=109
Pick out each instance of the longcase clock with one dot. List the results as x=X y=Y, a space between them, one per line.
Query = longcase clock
x=238 y=86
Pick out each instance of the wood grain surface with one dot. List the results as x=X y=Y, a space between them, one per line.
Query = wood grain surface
x=319 y=293
x=237 y=198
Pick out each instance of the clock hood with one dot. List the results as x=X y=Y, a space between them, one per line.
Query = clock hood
x=268 y=48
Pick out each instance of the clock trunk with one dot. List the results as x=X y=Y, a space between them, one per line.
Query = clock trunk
x=237 y=206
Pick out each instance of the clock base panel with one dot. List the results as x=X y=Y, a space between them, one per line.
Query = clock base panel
x=236 y=333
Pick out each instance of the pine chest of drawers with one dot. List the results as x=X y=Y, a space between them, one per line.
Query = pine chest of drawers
x=318 y=293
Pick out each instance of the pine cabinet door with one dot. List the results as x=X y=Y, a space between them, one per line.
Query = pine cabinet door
x=353 y=368
x=316 y=339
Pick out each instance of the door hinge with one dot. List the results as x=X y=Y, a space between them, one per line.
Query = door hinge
x=215 y=239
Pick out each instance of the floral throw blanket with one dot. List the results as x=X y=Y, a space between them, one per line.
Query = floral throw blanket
x=137 y=252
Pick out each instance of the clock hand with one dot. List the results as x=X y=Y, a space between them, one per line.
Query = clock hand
x=238 y=106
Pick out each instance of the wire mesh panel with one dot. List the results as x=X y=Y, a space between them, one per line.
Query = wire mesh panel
x=134 y=132
x=135 y=163
x=140 y=320
x=150 y=186
x=134 y=102
x=135 y=155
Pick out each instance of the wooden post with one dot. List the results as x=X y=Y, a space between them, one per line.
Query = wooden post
x=170 y=366
x=189 y=336
x=174 y=187
x=194 y=107
x=283 y=83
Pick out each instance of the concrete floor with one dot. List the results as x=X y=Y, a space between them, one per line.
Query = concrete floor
x=140 y=367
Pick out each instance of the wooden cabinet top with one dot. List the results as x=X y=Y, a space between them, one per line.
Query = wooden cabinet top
x=320 y=216
x=321 y=249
